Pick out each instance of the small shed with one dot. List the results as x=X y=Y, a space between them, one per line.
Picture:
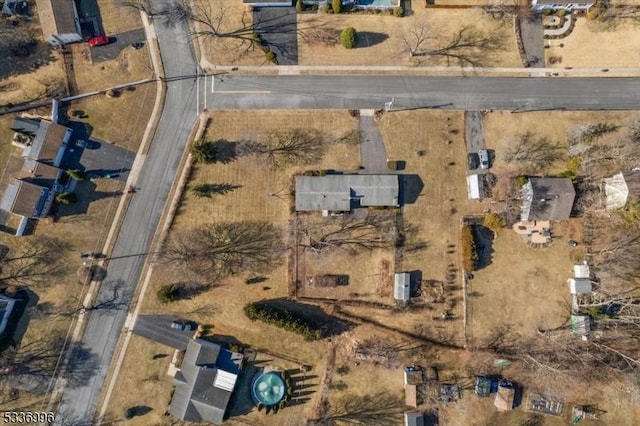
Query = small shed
x=402 y=286
x=544 y=404
x=580 y=325
x=580 y=285
x=483 y=386
x=505 y=396
x=581 y=270
x=413 y=418
x=411 y=396
x=474 y=187
x=449 y=393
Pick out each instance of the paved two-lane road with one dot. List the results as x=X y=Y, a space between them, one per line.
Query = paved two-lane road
x=411 y=92
x=79 y=402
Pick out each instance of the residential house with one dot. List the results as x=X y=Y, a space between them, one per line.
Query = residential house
x=59 y=21
x=413 y=418
x=402 y=287
x=205 y=382
x=547 y=199
x=29 y=184
x=269 y=3
x=343 y=193
x=569 y=5
x=622 y=188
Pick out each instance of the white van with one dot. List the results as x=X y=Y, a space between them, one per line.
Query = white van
x=484 y=159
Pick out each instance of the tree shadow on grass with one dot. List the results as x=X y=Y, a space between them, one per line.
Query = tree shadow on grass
x=368 y=39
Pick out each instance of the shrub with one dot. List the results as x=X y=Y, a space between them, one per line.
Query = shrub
x=203 y=151
x=520 y=181
x=270 y=56
x=167 y=293
x=398 y=12
x=569 y=174
x=76 y=174
x=494 y=221
x=348 y=37
x=66 y=198
x=630 y=213
x=561 y=12
x=299 y=6
x=336 y=6
x=283 y=318
x=326 y=8
x=547 y=12
x=468 y=246
x=574 y=164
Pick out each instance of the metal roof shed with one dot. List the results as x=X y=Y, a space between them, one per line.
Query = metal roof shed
x=505 y=396
x=580 y=285
x=474 y=187
x=402 y=286
x=580 y=325
x=413 y=418
x=581 y=270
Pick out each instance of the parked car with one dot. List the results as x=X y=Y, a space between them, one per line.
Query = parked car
x=183 y=325
x=484 y=159
x=100 y=40
x=473 y=161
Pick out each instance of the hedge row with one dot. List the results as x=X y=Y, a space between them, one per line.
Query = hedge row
x=283 y=318
x=468 y=247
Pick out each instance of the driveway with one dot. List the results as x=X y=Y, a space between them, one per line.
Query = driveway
x=98 y=158
x=373 y=155
x=277 y=27
x=533 y=40
x=117 y=43
x=474 y=130
x=158 y=328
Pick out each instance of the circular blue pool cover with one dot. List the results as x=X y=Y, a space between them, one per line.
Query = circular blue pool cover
x=268 y=389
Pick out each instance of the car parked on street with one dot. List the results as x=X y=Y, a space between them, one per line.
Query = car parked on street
x=100 y=40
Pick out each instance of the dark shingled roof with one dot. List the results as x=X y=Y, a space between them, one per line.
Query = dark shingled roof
x=202 y=393
x=46 y=143
x=547 y=199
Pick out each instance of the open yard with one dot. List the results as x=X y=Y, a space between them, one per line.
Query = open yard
x=591 y=44
x=381 y=39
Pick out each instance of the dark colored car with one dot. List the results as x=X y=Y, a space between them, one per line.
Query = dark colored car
x=100 y=40
x=473 y=161
x=182 y=325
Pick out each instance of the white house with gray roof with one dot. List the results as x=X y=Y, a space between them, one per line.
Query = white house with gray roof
x=342 y=193
x=205 y=382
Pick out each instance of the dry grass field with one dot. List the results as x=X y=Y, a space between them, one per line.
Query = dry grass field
x=592 y=45
x=117 y=18
x=120 y=120
x=34 y=85
x=381 y=36
x=130 y=65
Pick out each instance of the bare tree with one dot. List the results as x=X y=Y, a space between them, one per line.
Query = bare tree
x=283 y=148
x=222 y=249
x=467 y=47
x=139 y=5
x=324 y=35
x=377 y=350
x=499 y=9
x=34 y=261
x=537 y=153
x=351 y=234
x=617 y=258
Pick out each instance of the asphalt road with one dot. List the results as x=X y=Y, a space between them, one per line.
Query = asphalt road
x=414 y=92
x=103 y=329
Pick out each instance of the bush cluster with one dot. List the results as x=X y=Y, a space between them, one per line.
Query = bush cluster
x=283 y=318
x=468 y=247
x=494 y=221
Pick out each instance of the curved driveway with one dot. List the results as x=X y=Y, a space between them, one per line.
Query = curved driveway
x=103 y=329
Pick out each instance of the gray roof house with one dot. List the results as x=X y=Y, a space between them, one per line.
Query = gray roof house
x=402 y=286
x=346 y=192
x=26 y=199
x=59 y=21
x=205 y=382
x=547 y=199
